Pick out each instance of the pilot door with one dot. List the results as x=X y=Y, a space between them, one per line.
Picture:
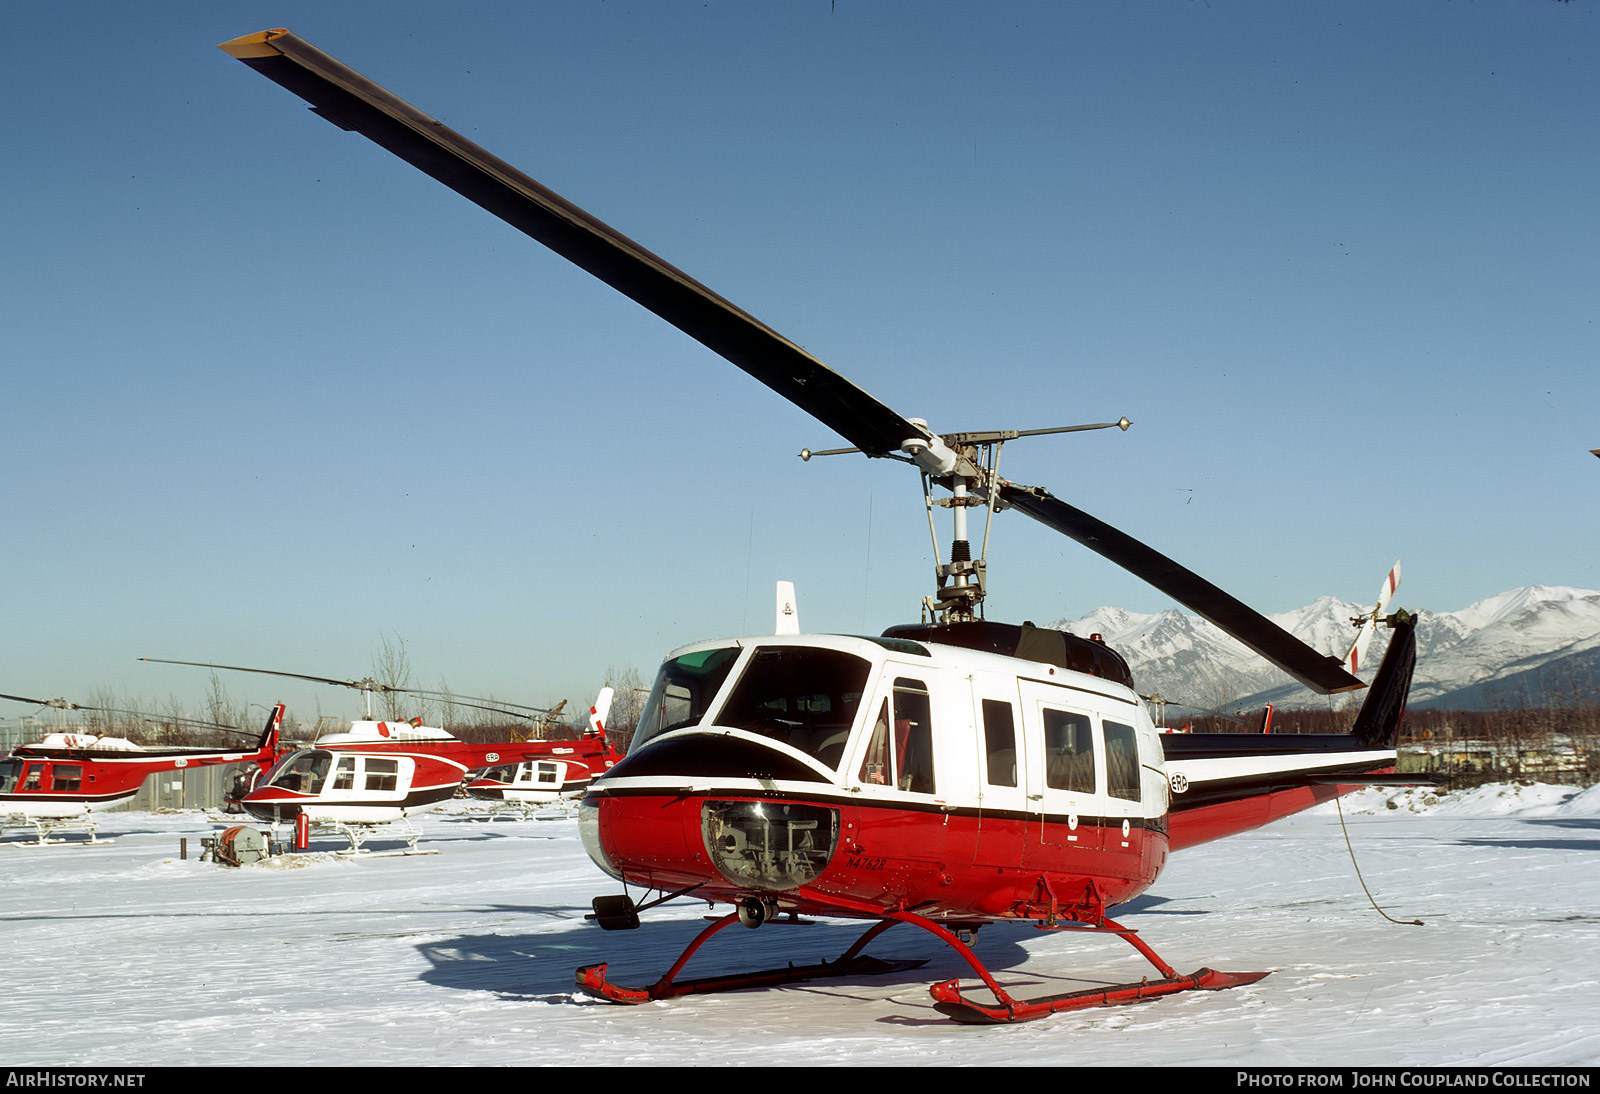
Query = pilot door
x=1004 y=813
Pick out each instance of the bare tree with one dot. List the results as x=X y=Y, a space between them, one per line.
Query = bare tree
x=627 y=704
x=391 y=667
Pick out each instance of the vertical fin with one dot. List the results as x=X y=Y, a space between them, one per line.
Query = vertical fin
x=788 y=614
x=269 y=732
x=1378 y=723
x=600 y=712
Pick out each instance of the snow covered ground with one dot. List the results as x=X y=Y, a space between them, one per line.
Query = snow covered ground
x=122 y=955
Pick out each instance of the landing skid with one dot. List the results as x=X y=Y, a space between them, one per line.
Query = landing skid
x=526 y=811
x=592 y=978
x=357 y=834
x=947 y=994
x=45 y=829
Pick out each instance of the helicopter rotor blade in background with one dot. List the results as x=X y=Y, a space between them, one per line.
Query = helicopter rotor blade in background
x=58 y=704
x=1318 y=671
x=450 y=698
x=159 y=719
x=353 y=102
x=358 y=685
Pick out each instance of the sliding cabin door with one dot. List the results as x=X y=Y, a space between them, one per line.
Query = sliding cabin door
x=1065 y=768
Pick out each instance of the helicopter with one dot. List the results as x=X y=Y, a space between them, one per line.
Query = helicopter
x=377 y=773
x=560 y=775
x=63 y=780
x=945 y=774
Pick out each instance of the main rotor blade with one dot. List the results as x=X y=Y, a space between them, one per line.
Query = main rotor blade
x=351 y=101
x=1318 y=671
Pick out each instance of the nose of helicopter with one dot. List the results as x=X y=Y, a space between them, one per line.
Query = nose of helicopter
x=687 y=839
x=272 y=803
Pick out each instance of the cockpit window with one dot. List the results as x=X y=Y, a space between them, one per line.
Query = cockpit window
x=802 y=696
x=302 y=771
x=683 y=692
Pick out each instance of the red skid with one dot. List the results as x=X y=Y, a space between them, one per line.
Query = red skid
x=951 y=1004
x=592 y=978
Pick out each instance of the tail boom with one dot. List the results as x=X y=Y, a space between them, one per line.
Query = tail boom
x=1225 y=783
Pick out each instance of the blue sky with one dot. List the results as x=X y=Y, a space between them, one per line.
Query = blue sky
x=272 y=396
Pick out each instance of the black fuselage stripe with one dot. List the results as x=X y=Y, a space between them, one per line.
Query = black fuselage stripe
x=932 y=808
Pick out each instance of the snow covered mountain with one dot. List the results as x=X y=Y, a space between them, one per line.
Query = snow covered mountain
x=1530 y=646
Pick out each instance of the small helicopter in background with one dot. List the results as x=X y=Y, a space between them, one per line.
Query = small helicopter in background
x=946 y=774
x=63 y=780
x=378 y=773
x=532 y=783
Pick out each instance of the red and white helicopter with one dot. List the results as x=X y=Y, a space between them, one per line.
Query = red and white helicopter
x=561 y=775
x=63 y=780
x=946 y=774
x=379 y=773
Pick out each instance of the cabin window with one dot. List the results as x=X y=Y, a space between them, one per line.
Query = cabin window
x=1122 y=761
x=66 y=777
x=999 y=743
x=9 y=770
x=900 y=752
x=548 y=773
x=683 y=692
x=1068 y=751
x=383 y=773
x=801 y=696
x=34 y=779
x=344 y=775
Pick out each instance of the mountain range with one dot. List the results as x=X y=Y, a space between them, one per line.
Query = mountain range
x=1534 y=646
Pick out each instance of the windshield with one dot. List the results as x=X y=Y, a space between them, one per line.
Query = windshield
x=683 y=691
x=803 y=696
x=301 y=771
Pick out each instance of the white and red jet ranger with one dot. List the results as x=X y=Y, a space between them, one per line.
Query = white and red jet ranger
x=377 y=773
x=63 y=780
x=561 y=775
x=381 y=773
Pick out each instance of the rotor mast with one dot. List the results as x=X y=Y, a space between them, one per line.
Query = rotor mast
x=966 y=465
